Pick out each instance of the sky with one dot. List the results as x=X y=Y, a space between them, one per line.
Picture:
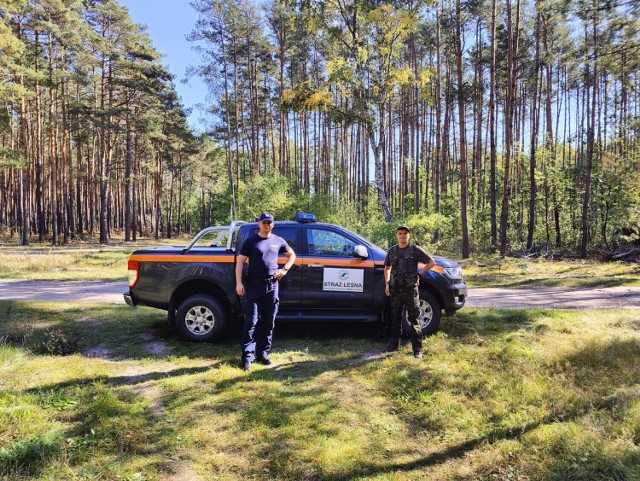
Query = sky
x=168 y=23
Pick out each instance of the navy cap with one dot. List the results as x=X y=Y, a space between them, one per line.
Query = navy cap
x=266 y=216
x=403 y=227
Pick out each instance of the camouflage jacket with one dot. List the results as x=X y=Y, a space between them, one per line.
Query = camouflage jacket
x=404 y=265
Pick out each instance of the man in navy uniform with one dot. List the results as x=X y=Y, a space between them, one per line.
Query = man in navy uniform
x=261 y=290
x=401 y=285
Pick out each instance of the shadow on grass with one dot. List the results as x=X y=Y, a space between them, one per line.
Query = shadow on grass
x=490 y=322
x=291 y=372
x=262 y=401
x=122 y=381
x=614 y=468
x=275 y=396
x=120 y=333
x=609 y=396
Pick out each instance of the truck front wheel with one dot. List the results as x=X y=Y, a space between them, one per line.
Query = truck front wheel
x=429 y=317
x=200 y=318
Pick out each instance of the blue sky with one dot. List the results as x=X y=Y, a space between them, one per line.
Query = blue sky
x=168 y=22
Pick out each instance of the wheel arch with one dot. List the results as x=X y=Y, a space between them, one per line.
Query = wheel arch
x=434 y=291
x=194 y=287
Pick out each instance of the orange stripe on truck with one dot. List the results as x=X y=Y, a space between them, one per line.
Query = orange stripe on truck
x=439 y=269
x=180 y=258
x=337 y=262
x=230 y=259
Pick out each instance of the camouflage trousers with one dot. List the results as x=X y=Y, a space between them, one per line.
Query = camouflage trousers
x=408 y=299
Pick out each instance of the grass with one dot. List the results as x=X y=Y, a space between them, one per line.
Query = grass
x=511 y=272
x=64 y=266
x=77 y=261
x=501 y=395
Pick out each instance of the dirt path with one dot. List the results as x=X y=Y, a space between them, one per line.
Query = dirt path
x=540 y=297
x=556 y=298
x=63 y=291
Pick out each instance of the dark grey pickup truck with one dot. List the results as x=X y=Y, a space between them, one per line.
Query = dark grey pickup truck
x=337 y=276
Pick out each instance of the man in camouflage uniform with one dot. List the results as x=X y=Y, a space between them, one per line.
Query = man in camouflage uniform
x=401 y=285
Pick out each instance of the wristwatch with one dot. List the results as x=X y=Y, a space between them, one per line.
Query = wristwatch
x=285 y=268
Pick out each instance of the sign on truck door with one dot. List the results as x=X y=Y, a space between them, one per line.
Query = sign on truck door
x=333 y=276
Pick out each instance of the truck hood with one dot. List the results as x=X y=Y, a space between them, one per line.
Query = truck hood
x=444 y=262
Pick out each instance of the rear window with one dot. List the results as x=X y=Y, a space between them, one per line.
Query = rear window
x=213 y=239
x=287 y=233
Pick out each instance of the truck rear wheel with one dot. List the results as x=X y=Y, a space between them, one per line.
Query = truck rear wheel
x=200 y=318
x=429 y=317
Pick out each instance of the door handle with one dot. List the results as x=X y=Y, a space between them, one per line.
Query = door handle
x=315 y=266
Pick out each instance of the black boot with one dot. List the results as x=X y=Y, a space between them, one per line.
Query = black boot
x=416 y=344
x=394 y=344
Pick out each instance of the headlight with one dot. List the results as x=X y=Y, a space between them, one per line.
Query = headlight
x=453 y=272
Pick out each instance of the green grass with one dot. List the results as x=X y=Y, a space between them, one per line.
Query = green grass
x=511 y=272
x=77 y=261
x=501 y=395
x=64 y=266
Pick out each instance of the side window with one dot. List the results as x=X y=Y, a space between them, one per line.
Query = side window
x=328 y=243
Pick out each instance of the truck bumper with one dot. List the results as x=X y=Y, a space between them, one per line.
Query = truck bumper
x=128 y=299
x=456 y=297
x=460 y=295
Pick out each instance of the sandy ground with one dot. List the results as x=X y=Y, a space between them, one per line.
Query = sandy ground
x=538 y=297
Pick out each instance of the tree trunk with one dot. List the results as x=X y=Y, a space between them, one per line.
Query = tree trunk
x=492 y=127
x=535 y=122
x=590 y=144
x=128 y=161
x=463 y=136
x=513 y=36
x=378 y=162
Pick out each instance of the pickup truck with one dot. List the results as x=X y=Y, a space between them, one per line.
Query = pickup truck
x=337 y=276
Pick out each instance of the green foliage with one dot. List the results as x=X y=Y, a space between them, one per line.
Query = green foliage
x=306 y=98
x=11 y=158
x=266 y=193
x=423 y=228
x=618 y=186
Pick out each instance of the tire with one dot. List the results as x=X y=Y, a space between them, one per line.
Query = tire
x=429 y=317
x=200 y=318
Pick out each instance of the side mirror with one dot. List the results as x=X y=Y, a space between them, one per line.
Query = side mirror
x=361 y=251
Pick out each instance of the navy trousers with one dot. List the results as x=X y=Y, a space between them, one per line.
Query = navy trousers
x=260 y=310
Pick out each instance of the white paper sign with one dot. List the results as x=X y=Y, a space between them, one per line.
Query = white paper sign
x=346 y=280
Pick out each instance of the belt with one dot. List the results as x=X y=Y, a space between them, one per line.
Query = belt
x=265 y=280
x=403 y=287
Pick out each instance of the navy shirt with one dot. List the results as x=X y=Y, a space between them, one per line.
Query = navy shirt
x=263 y=255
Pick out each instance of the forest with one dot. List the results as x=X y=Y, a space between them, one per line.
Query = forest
x=488 y=126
